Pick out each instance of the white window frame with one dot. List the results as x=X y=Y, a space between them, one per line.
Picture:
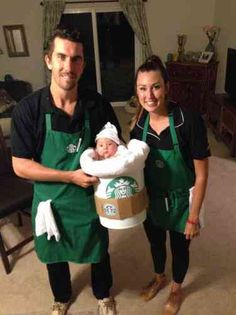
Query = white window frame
x=94 y=8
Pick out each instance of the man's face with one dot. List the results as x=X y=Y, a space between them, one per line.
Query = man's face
x=66 y=63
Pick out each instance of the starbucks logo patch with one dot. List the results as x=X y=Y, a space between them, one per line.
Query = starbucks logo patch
x=159 y=164
x=109 y=210
x=71 y=148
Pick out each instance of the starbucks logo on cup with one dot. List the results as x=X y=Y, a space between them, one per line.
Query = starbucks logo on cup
x=122 y=187
x=110 y=210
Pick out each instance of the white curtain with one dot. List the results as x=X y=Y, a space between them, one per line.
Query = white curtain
x=134 y=11
x=52 y=11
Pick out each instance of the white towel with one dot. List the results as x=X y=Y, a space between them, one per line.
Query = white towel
x=45 y=222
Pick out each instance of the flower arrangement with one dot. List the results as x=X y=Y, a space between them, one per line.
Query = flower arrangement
x=212 y=33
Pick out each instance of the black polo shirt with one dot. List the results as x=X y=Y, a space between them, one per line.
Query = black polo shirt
x=28 y=120
x=191 y=133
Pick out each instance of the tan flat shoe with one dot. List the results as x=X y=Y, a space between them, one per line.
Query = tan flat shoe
x=154 y=286
x=173 y=303
x=59 y=308
x=107 y=306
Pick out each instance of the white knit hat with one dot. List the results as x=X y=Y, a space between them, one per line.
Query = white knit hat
x=109 y=131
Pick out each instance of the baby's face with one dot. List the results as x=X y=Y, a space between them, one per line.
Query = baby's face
x=106 y=147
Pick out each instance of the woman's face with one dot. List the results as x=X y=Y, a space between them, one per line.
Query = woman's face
x=151 y=91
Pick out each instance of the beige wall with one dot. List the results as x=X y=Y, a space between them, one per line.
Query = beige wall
x=225 y=17
x=166 y=18
x=28 y=13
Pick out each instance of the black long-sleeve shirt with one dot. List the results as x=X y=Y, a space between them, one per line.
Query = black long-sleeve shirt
x=190 y=130
x=28 y=120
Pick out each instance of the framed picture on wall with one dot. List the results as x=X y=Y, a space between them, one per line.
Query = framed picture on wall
x=16 y=40
x=205 y=56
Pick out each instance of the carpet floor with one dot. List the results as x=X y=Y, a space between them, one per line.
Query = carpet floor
x=209 y=288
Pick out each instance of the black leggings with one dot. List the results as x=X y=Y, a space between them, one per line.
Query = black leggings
x=60 y=280
x=179 y=249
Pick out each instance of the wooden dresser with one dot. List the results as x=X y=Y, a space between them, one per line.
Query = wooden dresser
x=191 y=84
x=221 y=118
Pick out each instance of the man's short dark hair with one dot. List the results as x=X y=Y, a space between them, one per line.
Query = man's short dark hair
x=69 y=33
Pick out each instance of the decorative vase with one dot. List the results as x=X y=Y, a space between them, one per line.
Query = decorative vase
x=210 y=46
x=181 y=39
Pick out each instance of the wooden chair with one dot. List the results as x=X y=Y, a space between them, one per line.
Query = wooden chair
x=15 y=197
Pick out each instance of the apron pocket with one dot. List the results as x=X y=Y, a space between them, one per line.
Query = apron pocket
x=178 y=209
x=170 y=213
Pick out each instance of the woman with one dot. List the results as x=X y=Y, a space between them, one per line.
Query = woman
x=176 y=176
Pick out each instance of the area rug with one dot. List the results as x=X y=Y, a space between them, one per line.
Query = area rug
x=209 y=287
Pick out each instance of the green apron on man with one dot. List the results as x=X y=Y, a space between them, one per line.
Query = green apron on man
x=168 y=180
x=83 y=239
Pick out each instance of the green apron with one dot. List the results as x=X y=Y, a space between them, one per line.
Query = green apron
x=168 y=180
x=83 y=239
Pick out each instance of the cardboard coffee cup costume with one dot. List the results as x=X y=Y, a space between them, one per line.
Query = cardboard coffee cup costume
x=120 y=195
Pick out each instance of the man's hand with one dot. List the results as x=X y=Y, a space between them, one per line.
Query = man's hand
x=79 y=178
x=32 y=170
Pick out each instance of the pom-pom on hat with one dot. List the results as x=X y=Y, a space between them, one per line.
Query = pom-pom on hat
x=109 y=131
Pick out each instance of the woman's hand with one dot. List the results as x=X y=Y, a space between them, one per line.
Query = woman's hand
x=192 y=227
x=191 y=230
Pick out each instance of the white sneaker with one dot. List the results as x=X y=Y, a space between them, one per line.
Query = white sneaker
x=59 y=308
x=107 y=306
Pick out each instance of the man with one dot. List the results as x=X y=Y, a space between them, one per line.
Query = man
x=50 y=130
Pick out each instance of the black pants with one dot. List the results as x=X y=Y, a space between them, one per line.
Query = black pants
x=179 y=249
x=60 y=280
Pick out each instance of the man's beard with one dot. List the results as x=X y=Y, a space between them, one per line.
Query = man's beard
x=70 y=82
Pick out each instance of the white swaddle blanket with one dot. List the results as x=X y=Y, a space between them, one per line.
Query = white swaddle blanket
x=126 y=160
x=115 y=173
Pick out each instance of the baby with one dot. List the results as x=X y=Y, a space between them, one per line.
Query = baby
x=107 y=142
x=120 y=195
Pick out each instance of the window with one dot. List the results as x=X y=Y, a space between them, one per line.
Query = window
x=110 y=49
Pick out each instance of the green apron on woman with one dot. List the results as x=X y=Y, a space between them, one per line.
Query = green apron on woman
x=168 y=180
x=83 y=239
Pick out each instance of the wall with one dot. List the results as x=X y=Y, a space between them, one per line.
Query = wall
x=28 y=13
x=166 y=18
x=225 y=17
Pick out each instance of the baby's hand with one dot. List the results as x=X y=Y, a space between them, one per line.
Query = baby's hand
x=95 y=155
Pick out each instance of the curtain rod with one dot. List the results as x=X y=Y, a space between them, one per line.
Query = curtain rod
x=71 y=2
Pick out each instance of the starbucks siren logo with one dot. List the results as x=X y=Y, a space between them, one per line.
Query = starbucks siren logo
x=109 y=210
x=122 y=187
x=71 y=148
x=160 y=164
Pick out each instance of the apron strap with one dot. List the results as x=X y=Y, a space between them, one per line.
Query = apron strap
x=48 y=122
x=173 y=134
x=172 y=130
x=85 y=131
x=86 y=122
x=86 y=119
x=176 y=142
x=145 y=128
